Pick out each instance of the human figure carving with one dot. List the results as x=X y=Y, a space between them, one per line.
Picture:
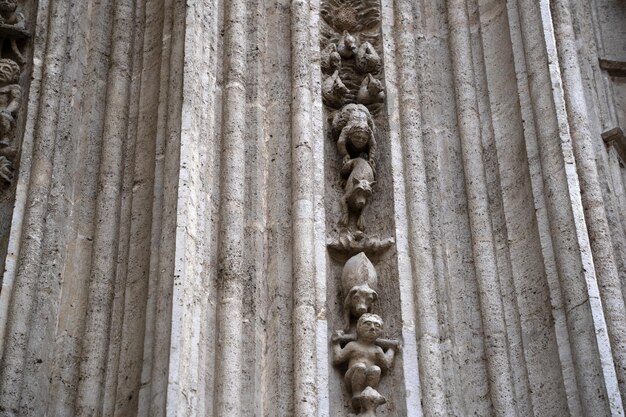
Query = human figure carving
x=366 y=360
x=10 y=101
x=347 y=45
x=331 y=60
x=334 y=90
x=356 y=136
x=9 y=71
x=357 y=192
x=367 y=59
x=371 y=91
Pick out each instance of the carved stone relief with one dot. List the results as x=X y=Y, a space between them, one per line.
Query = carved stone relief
x=13 y=32
x=360 y=345
x=353 y=95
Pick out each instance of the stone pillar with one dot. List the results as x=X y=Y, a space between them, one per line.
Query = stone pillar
x=215 y=202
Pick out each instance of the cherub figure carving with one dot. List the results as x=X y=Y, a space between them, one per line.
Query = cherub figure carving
x=366 y=360
x=371 y=91
x=347 y=45
x=357 y=192
x=367 y=59
x=334 y=90
x=9 y=14
x=331 y=60
x=356 y=133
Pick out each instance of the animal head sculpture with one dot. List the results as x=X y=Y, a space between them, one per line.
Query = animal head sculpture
x=371 y=91
x=367 y=59
x=331 y=60
x=334 y=90
x=359 y=280
x=361 y=192
x=347 y=45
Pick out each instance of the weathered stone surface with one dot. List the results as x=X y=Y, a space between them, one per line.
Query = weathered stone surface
x=200 y=200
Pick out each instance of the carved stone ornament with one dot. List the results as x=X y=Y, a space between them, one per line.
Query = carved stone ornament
x=351 y=242
x=12 y=31
x=358 y=282
x=360 y=345
x=353 y=95
x=351 y=15
x=367 y=357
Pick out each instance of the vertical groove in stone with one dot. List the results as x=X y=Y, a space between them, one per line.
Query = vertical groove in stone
x=574 y=265
x=537 y=377
x=232 y=216
x=94 y=41
x=319 y=192
x=603 y=80
x=255 y=294
x=278 y=373
x=184 y=156
x=482 y=236
x=125 y=302
x=304 y=317
x=60 y=217
x=505 y=276
x=591 y=193
x=191 y=384
x=156 y=366
x=151 y=126
x=601 y=116
x=102 y=276
x=541 y=209
x=125 y=357
x=419 y=227
x=463 y=351
x=167 y=172
x=26 y=160
x=23 y=296
x=493 y=78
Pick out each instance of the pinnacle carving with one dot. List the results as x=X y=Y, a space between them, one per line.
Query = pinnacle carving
x=353 y=94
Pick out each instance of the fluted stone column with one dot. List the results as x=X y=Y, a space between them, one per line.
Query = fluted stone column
x=172 y=246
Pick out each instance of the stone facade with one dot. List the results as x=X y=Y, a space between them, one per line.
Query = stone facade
x=313 y=208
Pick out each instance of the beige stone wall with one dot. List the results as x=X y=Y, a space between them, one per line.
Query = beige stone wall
x=168 y=252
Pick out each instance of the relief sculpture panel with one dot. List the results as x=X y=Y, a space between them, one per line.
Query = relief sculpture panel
x=353 y=94
x=13 y=33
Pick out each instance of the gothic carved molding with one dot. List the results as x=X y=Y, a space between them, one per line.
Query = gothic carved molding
x=353 y=94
